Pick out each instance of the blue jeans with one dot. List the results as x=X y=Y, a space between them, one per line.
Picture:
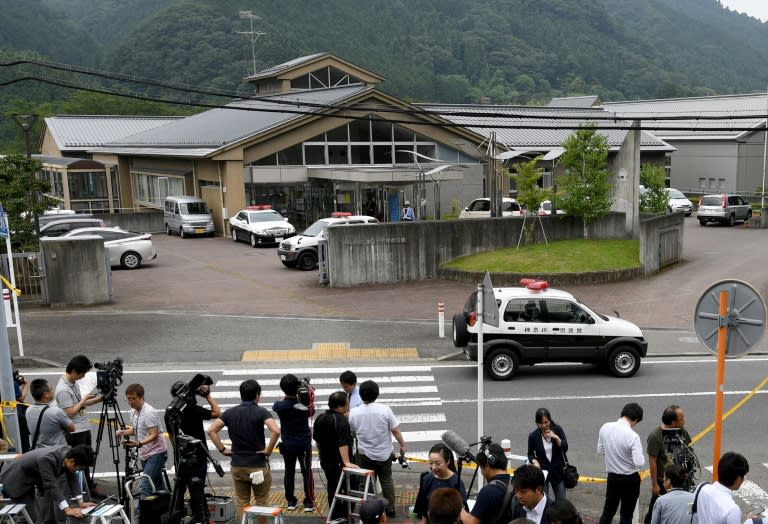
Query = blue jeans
x=153 y=467
x=558 y=488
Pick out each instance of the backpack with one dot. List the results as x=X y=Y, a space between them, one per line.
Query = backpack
x=505 y=512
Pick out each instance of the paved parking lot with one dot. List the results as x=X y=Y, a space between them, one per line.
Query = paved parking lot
x=218 y=276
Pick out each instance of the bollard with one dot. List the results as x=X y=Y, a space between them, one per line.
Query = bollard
x=441 y=319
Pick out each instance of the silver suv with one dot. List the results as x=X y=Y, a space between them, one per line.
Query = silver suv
x=723 y=208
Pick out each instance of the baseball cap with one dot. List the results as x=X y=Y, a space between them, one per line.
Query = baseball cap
x=371 y=510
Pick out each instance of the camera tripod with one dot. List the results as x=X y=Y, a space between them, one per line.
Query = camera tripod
x=110 y=421
x=484 y=442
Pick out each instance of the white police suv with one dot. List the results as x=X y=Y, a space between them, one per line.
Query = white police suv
x=539 y=324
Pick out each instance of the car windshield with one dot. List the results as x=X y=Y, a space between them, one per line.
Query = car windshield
x=316 y=228
x=194 y=208
x=546 y=206
x=269 y=216
x=510 y=206
x=674 y=193
x=713 y=200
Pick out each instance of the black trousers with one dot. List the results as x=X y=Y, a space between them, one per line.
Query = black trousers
x=624 y=490
x=332 y=475
x=654 y=498
x=82 y=437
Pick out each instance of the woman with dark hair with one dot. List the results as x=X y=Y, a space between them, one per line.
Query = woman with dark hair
x=441 y=474
x=546 y=445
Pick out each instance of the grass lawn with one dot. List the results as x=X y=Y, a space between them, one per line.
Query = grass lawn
x=566 y=256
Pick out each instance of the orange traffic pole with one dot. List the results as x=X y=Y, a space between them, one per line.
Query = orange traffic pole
x=722 y=342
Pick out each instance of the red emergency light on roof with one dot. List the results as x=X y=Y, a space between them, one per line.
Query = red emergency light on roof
x=259 y=207
x=341 y=214
x=533 y=284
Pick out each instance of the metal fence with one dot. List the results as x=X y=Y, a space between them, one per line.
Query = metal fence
x=30 y=276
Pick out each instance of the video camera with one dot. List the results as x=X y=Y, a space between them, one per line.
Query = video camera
x=400 y=459
x=306 y=396
x=109 y=375
x=185 y=393
x=18 y=377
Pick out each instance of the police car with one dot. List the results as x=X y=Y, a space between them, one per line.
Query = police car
x=260 y=225
x=301 y=251
x=539 y=324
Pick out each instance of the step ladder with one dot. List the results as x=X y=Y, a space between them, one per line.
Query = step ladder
x=346 y=494
x=253 y=514
x=10 y=512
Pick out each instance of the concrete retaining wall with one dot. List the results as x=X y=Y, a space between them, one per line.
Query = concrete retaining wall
x=651 y=230
x=554 y=279
x=151 y=222
x=382 y=253
x=77 y=271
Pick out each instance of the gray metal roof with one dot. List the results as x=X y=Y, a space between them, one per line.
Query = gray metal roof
x=62 y=161
x=206 y=132
x=698 y=108
x=275 y=70
x=78 y=132
x=574 y=101
x=526 y=127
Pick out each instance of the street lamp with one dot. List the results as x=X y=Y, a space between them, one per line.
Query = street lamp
x=26 y=121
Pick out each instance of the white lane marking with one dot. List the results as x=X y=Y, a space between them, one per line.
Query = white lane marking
x=600 y=397
x=322 y=392
x=749 y=492
x=420 y=418
x=315 y=381
x=308 y=372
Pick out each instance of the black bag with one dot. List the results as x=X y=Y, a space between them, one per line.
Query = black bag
x=570 y=474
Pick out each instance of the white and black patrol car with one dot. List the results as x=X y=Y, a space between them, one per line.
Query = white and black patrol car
x=260 y=225
x=538 y=324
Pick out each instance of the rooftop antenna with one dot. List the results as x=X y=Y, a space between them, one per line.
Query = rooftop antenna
x=252 y=35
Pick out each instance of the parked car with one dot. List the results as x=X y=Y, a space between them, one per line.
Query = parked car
x=723 y=208
x=678 y=203
x=545 y=208
x=540 y=324
x=187 y=215
x=62 y=226
x=126 y=248
x=481 y=208
x=260 y=225
x=301 y=251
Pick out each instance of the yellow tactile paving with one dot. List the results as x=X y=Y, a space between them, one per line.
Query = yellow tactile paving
x=330 y=351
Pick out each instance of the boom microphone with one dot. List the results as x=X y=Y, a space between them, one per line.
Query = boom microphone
x=457 y=444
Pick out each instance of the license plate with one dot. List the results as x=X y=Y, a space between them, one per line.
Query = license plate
x=199 y=230
x=278 y=239
x=282 y=257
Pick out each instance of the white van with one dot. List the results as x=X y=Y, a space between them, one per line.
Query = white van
x=187 y=215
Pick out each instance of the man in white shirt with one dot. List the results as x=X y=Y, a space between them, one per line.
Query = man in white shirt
x=714 y=502
x=623 y=451
x=375 y=424
x=529 y=491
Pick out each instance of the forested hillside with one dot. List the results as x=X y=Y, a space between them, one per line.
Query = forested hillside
x=511 y=51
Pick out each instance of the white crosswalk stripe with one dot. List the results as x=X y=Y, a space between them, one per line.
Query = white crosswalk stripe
x=402 y=388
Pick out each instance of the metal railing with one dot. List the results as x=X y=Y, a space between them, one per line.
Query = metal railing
x=30 y=276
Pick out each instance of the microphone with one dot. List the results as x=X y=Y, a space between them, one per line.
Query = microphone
x=457 y=444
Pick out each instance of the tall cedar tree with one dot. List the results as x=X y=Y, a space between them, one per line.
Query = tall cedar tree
x=586 y=192
x=18 y=182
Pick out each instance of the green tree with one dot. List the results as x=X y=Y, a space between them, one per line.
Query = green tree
x=526 y=177
x=18 y=184
x=585 y=191
x=654 y=198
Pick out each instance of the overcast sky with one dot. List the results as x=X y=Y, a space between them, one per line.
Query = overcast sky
x=756 y=8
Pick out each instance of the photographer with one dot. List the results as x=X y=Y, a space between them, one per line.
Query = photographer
x=20 y=389
x=68 y=398
x=296 y=445
x=49 y=424
x=153 y=451
x=192 y=417
x=489 y=507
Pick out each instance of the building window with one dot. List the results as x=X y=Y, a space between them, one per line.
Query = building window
x=151 y=189
x=702 y=183
x=87 y=185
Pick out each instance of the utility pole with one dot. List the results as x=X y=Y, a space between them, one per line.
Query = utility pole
x=252 y=35
x=26 y=121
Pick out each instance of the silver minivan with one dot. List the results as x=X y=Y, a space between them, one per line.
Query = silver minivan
x=187 y=215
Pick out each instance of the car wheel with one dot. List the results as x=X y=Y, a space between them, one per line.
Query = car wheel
x=288 y=264
x=731 y=220
x=307 y=261
x=182 y=234
x=460 y=332
x=168 y=230
x=623 y=362
x=252 y=240
x=703 y=222
x=234 y=235
x=502 y=364
x=130 y=260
